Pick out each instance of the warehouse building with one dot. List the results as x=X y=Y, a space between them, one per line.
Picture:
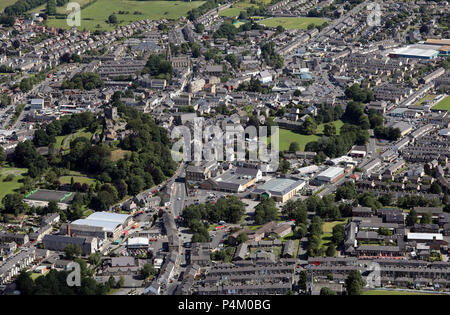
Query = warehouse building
x=415 y=53
x=331 y=175
x=112 y=223
x=280 y=189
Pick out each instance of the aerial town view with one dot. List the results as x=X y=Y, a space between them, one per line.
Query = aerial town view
x=224 y=148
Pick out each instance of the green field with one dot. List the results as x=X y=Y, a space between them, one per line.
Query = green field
x=236 y=8
x=6 y=3
x=328 y=226
x=427 y=97
x=76 y=179
x=442 y=105
x=94 y=16
x=10 y=187
x=300 y=23
x=59 y=10
x=288 y=136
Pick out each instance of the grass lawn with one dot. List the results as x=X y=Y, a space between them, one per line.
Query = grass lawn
x=10 y=187
x=288 y=136
x=6 y=3
x=300 y=23
x=328 y=226
x=338 y=124
x=386 y=292
x=427 y=97
x=118 y=154
x=236 y=8
x=77 y=179
x=94 y=16
x=59 y=141
x=325 y=239
x=442 y=105
x=59 y=10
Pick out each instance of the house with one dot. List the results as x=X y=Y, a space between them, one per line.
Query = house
x=362 y=211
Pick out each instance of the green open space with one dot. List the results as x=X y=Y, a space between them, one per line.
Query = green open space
x=442 y=105
x=6 y=3
x=9 y=187
x=328 y=226
x=300 y=23
x=95 y=16
x=237 y=7
x=286 y=137
x=427 y=97
x=61 y=9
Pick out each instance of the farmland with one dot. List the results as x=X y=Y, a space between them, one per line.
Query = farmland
x=300 y=23
x=95 y=16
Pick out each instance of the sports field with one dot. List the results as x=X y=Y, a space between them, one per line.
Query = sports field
x=443 y=105
x=300 y=23
x=95 y=16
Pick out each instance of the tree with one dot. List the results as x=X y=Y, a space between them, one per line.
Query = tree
x=266 y=211
x=243 y=237
x=327 y=291
x=354 y=283
x=309 y=126
x=72 y=251
x=329 y=130
x=426 y=218
x=112 y=19
x=25 y=283
x=302 y=280
x=294 y=147
x=147 y=271
x=95 y=259
x=331 y=250
x=435 y=188
x=2 y=155
x=411 y=218
x=13 y=203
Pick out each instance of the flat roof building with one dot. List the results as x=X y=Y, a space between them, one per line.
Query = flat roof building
x=112 y=223
x=331 y=175
x=280 y=189
x=412 y=52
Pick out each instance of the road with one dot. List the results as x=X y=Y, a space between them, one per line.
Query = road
x=177 y=197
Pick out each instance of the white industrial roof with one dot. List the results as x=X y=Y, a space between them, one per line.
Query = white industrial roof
x=137 y=241
x=415 y=51
x=107 y=226
x=106 y=220
x=332 y=172
x=425 y=236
